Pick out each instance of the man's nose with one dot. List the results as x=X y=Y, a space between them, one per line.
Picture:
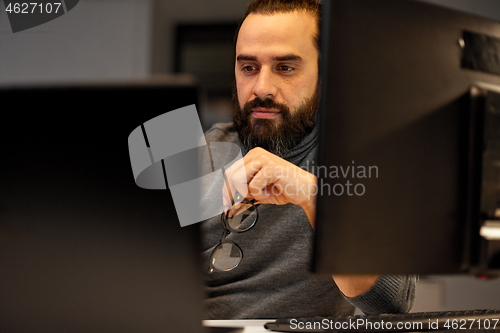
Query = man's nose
x=265 y=86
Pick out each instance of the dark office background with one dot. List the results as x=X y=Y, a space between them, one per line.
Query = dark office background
x=110 y=40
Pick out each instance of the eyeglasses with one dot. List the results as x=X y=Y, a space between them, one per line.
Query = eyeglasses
x=241 y=217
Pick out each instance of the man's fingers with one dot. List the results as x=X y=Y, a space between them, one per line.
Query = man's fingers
x=235 y=182
x=267 y=187
x=257 y=186
x=265 y=177
x=241 y=173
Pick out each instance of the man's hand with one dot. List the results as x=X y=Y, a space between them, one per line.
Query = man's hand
x=270 y=179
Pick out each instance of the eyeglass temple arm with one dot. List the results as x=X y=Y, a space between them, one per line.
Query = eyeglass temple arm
x=228 y=188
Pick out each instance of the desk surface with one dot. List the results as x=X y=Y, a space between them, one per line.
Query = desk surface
x=250 y=325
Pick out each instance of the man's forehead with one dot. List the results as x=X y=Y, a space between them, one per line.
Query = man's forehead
x=285 y=32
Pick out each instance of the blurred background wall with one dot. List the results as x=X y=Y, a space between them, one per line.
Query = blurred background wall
x=103 y=40
x=97 y=40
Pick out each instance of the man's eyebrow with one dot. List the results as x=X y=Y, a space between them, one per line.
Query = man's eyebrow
x=243 y=57
x=286 y=57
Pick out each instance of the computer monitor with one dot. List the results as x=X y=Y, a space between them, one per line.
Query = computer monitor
x=410 y=129
x=82 y=247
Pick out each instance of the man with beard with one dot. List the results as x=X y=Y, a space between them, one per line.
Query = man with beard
x=275 y=106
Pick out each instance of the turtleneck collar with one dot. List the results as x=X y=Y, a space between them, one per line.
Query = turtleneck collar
x=297 y=154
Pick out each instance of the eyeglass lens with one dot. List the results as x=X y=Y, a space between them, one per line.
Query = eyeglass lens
x=241 y=217
x=226 y=256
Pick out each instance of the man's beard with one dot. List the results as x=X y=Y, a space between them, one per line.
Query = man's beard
x=278 y=138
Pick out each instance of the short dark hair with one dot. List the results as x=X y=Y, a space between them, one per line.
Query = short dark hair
x=270 y=7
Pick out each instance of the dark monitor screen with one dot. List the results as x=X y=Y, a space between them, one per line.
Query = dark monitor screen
x=82 y=247
x=408 y=169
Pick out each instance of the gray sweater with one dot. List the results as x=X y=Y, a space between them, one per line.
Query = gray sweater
x=273 y=279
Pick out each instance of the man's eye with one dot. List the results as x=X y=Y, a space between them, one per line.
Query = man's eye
x=286 y=69
x=249 y=69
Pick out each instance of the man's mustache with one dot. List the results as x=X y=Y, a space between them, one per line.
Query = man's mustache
x=267 y=103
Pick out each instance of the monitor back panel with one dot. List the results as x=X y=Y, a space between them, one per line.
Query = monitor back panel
x=395 y=132
x=82 y=248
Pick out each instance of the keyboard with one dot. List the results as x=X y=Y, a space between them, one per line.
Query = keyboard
x=458 y=321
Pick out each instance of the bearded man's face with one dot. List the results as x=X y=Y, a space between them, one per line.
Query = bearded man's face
x=276 y=73
x=277 y=136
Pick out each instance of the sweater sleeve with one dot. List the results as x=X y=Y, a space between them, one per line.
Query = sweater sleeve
x=389 y=294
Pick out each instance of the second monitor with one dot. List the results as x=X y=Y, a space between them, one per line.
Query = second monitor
x=397 y=101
